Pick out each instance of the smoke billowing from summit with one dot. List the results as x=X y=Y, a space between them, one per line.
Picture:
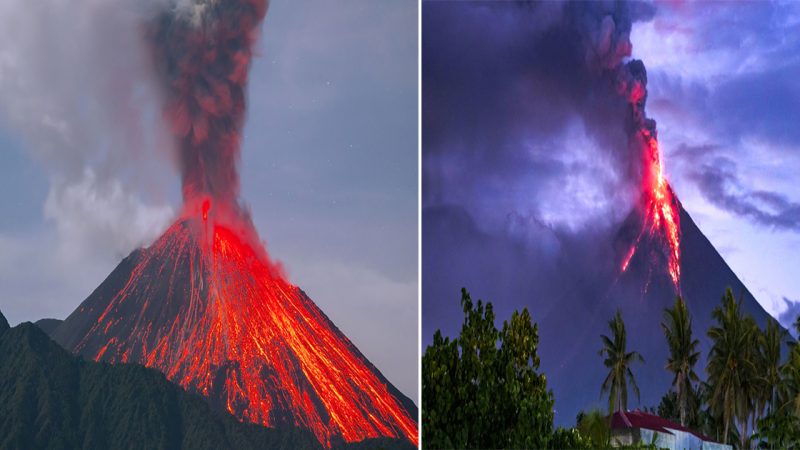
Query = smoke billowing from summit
x=537 y=148
x=202 y=51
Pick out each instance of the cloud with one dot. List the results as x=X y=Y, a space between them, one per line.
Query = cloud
x=790 y=315
x=75 y=86
x=553 y=125
x=95 y=218
x=720 y=185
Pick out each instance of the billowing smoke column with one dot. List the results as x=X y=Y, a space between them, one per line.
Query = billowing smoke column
x=202 y=50
x=607 y=47
x=658 y=204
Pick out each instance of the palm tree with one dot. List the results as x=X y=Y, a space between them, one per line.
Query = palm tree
x=770 y=342
x=730 y=368
x=797 y=324
x=618 y=360
x=790 y=387
x=683 y=354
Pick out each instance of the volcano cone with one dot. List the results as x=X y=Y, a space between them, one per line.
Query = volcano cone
x=205 y=306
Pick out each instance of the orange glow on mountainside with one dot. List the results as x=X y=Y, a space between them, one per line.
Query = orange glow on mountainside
x=208 y=309
x=660 y=209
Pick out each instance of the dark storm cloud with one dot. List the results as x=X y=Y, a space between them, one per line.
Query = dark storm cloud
x=526 y=117
x=496 y=76
x=720 y=185
x=762 y=104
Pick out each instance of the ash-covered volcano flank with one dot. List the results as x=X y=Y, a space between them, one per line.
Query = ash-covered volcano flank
x=207 y=309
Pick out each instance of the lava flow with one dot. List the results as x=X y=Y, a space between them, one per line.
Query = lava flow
x=658 y=204
x=205 y=307
x=660 y=212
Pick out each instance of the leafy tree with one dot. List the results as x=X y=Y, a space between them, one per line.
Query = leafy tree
x=778 y=430
x=731 y=371
x=482 y=389
x=618 y=360
x=683 y=354
x=595 y=428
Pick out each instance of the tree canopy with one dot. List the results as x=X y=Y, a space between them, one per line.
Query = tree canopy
x=482 y=389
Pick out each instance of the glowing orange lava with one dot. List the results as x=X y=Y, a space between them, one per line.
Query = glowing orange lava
x=215 y=316
x=661 y=218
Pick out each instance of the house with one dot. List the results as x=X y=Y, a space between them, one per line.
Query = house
x=631 y=427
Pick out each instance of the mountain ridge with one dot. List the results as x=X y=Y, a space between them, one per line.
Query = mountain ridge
x=52 y=399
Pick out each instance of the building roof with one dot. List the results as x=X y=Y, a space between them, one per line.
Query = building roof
x=641 y=419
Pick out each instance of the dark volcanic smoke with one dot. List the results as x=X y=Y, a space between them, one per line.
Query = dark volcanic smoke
x=658 y=206
x=204 y=304
x=202 y=52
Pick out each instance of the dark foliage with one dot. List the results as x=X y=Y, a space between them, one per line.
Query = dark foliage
x=482 y=389
x=51 y=399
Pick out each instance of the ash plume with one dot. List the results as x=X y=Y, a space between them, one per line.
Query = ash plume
x=202 y=51
x=532 y=113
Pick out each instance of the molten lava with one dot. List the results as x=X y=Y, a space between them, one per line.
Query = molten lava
x=208 y=309
x=660 y=210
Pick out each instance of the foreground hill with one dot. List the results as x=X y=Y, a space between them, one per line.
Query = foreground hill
x=51 y=399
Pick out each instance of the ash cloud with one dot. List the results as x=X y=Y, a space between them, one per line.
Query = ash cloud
x=202 y=51
x=506 y=87
x=75 y=86
x=531 y=157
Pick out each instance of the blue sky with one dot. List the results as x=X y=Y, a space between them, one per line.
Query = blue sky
x=329 y=163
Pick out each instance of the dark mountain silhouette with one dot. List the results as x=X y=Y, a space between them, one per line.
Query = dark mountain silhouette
x=52 y=399
x=48 y=325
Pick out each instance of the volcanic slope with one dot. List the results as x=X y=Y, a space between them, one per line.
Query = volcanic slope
x=572 y=312
x=570 y=360
x=205 y=306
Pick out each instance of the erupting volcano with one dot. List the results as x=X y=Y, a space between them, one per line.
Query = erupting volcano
x=658 y=206
x=204 y=304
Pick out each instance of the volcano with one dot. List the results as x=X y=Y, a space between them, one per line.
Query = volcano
x=641 y=293
x=205 y=306
x=574 y=313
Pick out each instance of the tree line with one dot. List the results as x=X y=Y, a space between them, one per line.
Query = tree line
x=483 y=389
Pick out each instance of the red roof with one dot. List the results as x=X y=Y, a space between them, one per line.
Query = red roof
x=640 y=419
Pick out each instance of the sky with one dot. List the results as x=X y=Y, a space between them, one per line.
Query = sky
x=525 y=150
x=724 y=83
x=328 y=170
